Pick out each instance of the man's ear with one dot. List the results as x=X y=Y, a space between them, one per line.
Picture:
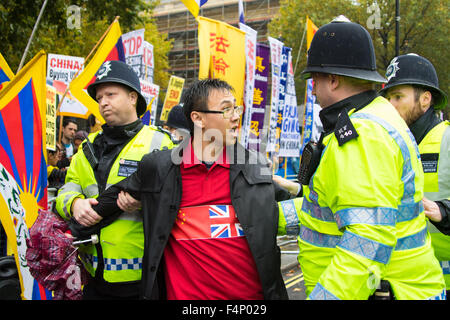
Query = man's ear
x=198 y=119
x=334 y=81
x=134 y=97
x=425 y=100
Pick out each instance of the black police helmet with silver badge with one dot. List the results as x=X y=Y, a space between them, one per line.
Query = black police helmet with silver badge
x=344 y=48
x=413 y=69
x=119 y=72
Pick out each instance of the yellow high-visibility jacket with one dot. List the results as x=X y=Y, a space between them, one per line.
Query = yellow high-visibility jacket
x=361 y=218
x=122 y=242
x=435 y=153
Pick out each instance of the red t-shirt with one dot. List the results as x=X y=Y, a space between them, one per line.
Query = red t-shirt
x=207 y=256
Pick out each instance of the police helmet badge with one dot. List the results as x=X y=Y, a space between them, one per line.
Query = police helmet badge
x=392 y=69
x=104 y=69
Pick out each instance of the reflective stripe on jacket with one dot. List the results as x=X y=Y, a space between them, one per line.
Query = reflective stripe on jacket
x=361 y=218
x=122 y=242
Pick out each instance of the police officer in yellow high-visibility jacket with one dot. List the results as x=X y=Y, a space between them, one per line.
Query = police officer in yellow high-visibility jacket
x=105 y=158
x=413 y=89
x=361 y=223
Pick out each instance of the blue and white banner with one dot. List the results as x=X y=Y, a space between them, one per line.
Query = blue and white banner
x=309 y=108
x=290 y=130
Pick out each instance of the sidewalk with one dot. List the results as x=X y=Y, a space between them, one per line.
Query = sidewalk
x=289 y=252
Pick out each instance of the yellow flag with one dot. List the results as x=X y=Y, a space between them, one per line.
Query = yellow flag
x=311 y=29
x=222 y=54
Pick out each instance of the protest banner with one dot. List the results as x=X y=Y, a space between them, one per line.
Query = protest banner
x=262 y=68
x=150 y=91
x=50 y=118
x=61 y=70
x=290 y=130
x=173 y=96
x=276 y=48
x=222 y=54
x=250 y=61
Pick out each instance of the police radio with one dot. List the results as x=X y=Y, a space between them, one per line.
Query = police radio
x=310 y=161
x=88 y=150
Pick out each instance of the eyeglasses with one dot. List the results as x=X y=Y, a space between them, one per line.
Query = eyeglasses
x=227 y=112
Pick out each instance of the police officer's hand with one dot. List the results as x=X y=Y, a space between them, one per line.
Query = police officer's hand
x=127 y=203
x=432 y=210
x=82 y=211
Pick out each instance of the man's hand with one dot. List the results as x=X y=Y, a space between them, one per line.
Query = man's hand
x=291 y=186
x=127 y=203
x=432 y=210
x=84 y=214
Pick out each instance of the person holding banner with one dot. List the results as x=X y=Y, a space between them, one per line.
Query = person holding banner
x=361 y=223
x=210 y=215
x=105 y=158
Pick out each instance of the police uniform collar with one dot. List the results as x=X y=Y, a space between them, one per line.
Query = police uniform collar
x=126 y=131
x=329 y=115
x=424 y=124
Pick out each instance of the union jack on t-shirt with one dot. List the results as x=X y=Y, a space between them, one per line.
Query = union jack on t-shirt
x=224 y=223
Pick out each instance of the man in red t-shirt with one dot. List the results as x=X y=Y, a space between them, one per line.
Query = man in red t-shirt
x=210 y=214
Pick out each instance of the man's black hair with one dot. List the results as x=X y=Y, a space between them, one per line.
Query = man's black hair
x=67 y=120
x=196 y=97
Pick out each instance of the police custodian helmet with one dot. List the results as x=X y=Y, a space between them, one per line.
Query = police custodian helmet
x=344 y=48
x=413 y=69
x=119 y=72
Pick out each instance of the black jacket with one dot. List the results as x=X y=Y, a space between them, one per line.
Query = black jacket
x=157 y=183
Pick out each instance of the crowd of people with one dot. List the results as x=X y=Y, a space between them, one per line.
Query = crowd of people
x=186 y=212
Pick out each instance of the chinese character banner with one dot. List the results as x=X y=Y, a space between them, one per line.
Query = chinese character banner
x=222 y=54
x=262 y=67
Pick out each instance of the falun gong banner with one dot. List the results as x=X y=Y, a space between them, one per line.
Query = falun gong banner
x=23 y=169
x=222 y=54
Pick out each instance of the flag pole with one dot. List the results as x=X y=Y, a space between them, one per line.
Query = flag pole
x=78 y=71
x=301 y=45
x=32 y=36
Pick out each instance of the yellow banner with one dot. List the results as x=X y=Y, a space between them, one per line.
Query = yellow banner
x=173 y=96
x=222 y=54
x=51 y=118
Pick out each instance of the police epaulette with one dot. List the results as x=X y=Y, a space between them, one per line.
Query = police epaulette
x=344 y=131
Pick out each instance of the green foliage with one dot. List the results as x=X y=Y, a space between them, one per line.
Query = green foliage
x=17 y=19
x=423 y=30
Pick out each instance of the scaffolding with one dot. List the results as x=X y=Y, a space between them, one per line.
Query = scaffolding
x=173 y=19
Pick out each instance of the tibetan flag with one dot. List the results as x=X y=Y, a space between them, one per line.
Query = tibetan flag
x=5 y=72
x=194 y=6
x=23 y=169
x=111 y=48
x=222 y=54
